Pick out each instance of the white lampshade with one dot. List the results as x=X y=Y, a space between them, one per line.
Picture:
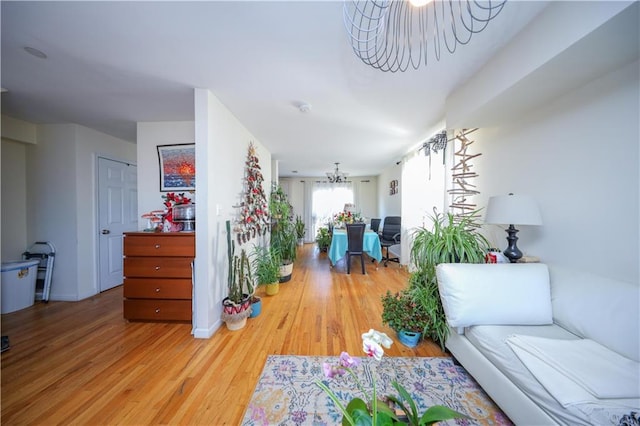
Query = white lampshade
x=512 y=210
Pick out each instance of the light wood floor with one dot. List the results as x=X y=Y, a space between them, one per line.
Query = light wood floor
x=81 y=363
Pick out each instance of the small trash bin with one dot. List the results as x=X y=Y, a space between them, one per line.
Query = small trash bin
x=18 y=285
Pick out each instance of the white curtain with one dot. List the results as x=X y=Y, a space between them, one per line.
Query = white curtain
x=423 y=189
x=328 y=199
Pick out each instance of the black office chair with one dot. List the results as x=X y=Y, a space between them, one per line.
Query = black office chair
x=390 y=236
x=375 y=225
x=355 y=241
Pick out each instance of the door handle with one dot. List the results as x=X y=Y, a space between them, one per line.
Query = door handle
x=105 y=232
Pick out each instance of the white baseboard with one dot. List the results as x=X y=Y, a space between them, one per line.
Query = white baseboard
x=206 y=333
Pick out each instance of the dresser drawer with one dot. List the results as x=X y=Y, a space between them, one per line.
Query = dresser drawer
x=151 y=267
x=158 y=288
x=158 y=244
x=162 y=310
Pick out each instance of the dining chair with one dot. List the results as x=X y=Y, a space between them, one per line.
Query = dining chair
x=375 y=224
x=355 y=241
x=390 y=236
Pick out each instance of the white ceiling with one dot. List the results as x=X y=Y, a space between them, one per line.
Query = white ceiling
x=112 y=64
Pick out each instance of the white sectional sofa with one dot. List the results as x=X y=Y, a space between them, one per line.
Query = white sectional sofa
x=548 y=344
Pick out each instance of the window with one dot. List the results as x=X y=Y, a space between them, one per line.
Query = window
x=328 y=199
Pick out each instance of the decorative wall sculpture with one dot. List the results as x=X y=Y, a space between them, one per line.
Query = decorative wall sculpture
x=254 y=209
x=462 y=175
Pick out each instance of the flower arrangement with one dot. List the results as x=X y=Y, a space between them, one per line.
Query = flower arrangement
x=172 y=199
x=379 y=411
x=347 y=217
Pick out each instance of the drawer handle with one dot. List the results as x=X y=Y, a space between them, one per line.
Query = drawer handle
x=157 y=310
x=157 y=268
x=157 y=246
x=158 y=290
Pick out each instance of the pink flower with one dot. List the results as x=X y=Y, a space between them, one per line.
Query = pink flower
x=347 y=361
x=331 y=371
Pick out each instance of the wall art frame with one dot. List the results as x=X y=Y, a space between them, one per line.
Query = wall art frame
x=177 y=165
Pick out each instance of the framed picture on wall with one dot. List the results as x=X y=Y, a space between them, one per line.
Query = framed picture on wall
x=177 y=167
x=393 y=187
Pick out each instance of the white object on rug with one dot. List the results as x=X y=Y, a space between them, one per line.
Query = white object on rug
x=577 y=371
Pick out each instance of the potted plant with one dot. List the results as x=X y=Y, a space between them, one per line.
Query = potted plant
x=266 y=265
x=323 y=238
x=406 y=316
x=283 y=236
x=451 y=239
x=300 y=231
x=236 y=307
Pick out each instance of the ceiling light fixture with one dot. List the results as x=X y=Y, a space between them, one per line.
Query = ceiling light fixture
x=337 y=176
x=393 y=35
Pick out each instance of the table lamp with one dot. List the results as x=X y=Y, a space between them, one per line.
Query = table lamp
x=509 y=210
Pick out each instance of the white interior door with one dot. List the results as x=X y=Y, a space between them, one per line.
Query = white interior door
x=117 y=213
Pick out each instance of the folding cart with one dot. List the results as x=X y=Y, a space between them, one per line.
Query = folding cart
x=45 y=253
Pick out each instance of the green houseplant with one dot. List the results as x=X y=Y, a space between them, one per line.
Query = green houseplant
x=266 y=265
x=236 y=307
x=452 y=239
x=300 y=231
x=283 y=234
x=407 y=316
x=323 y=238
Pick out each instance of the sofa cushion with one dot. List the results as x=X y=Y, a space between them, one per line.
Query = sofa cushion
x=495 y=294
x=597 y=308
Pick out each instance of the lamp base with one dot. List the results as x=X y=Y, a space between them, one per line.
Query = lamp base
x=512 y=252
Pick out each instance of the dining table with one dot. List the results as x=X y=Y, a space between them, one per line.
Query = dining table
x=339 y=245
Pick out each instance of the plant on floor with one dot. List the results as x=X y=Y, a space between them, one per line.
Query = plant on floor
x=401 y=312
x=373 y=410
x=283 y=234
x=266 y=266
x=300 y=231
x=323 y=238
x=423 y=290
x=452 y=239
x=236 y=307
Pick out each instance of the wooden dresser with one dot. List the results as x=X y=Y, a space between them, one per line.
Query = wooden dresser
x=157 y=276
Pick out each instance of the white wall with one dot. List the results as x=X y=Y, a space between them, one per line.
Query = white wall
x=221 y=150
x=149 y=136
x=578 y=157
x=390 y=205
x=61 y=201
x=14 y=199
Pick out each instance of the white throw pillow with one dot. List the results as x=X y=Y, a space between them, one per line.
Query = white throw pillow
x=495 y=294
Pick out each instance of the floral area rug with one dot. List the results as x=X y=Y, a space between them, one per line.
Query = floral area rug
x=287 y=393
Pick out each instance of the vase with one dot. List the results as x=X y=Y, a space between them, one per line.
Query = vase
x=409 y=338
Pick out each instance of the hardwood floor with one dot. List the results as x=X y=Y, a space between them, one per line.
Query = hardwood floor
x=82 y=363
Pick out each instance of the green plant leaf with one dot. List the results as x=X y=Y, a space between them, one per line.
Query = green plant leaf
x=406 y=396
x=439 y=413
x=359 y=412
